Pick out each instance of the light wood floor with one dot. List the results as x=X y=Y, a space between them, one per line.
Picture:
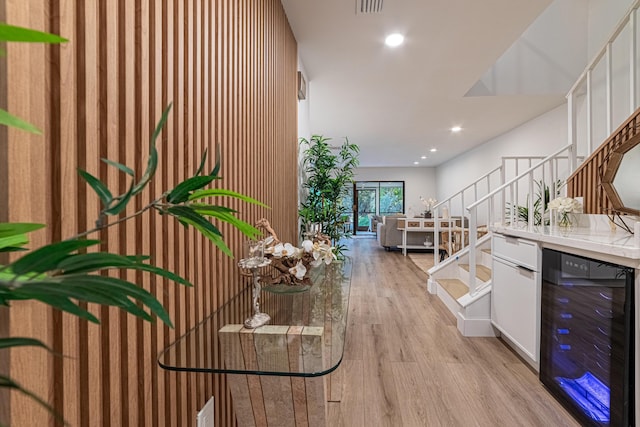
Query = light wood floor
x=405 y=364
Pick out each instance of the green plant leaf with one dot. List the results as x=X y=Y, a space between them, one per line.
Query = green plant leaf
x=216 y=168
x=119 y=287
x=104 y=290
x=48 y=257
x=98 y=186
x=95 y=261
x=95 y=289
x=245 y=228
x=20 y=341
x=14 y=228
x=84 y=263
x=162 y=272
x=13 y=249
x=152 y=163
x=11 y=33
x=215 y=192
x=120 y=166
x=122 y=203
x=184 y=212
x=206 y=209
x=181 y=192
x=13 y=242
x=214 y=238
x=60 y=302
x=202 y=162
x=7 y=382
x=8 y=119
x=187 y=216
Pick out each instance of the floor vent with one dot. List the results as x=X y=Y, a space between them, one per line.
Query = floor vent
x=369 y=6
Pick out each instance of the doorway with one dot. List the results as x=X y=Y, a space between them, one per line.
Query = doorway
x=371 y=198
x=366 y=205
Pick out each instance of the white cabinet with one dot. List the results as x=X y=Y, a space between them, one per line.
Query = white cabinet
x=515 y=294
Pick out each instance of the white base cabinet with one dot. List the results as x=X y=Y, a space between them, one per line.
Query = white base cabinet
x=515 y=294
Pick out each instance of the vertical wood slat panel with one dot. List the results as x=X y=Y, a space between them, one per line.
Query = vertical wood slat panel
x=585 y=181
x=68 y=154
x=229 y=67
x=28 y=168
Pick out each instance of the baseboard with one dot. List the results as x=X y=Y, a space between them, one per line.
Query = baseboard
x=432 y=286
x=475 y=327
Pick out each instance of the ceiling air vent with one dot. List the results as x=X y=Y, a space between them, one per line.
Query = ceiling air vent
x=369 y=6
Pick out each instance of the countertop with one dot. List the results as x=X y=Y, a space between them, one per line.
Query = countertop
x=592 y=233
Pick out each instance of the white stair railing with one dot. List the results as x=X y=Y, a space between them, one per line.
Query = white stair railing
x=592 y=85
x=455 y=206
x=547 y=173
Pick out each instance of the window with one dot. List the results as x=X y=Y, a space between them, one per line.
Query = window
x=370 y=198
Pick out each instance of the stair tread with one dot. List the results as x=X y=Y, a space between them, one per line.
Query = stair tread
x=454 y=287
x=487 y=251
x=482 y=272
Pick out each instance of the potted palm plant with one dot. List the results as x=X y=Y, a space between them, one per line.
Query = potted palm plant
x=327 y=175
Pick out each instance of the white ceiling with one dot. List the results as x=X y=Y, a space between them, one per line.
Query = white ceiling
x=397 y=104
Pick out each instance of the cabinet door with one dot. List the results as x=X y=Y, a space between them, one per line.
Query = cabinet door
x=514 y=305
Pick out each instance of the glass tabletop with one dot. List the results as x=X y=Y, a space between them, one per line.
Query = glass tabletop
x=305 y=336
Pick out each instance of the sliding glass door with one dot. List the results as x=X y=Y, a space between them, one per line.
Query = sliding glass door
x=372 y=198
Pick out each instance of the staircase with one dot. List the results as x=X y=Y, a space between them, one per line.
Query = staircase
x=451 y=285
x=463 y=280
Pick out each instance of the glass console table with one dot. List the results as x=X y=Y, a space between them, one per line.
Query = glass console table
x=281 y=368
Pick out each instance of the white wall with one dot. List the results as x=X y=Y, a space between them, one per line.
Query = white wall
x=546 y=58
x=540 y=136
x=418 y=182
x=604 y=16
x=304 y=128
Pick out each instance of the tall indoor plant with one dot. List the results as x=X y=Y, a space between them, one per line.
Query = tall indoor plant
x=328 y=171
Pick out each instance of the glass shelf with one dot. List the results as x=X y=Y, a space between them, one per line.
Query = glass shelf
x=304 y=338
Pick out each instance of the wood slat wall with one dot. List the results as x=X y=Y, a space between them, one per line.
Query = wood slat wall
x=585 y=181
x=229 y=68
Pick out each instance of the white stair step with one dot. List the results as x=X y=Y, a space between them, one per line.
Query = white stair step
x=482 y=272
x=454 y=287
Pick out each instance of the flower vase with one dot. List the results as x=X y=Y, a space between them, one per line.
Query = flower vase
x=565 y=220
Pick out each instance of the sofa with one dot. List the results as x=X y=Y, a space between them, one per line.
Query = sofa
x=389 y=237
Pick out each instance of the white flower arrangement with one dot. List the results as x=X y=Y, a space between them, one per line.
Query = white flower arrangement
x=428 y=203
x=565 y=206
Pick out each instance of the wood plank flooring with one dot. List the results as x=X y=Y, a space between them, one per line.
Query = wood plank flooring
x=406 y=364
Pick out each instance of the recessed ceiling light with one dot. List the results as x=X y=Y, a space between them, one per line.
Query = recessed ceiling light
x=423 y=157
x=456 y=129
x=394 y=40
x=433 y=150
x=416 y=163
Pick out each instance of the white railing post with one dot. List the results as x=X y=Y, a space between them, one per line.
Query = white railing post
x=609 y=89
x=436 y=236
x=572 y=131
x=473 y=234
x=633 y=57
x=589 y=119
